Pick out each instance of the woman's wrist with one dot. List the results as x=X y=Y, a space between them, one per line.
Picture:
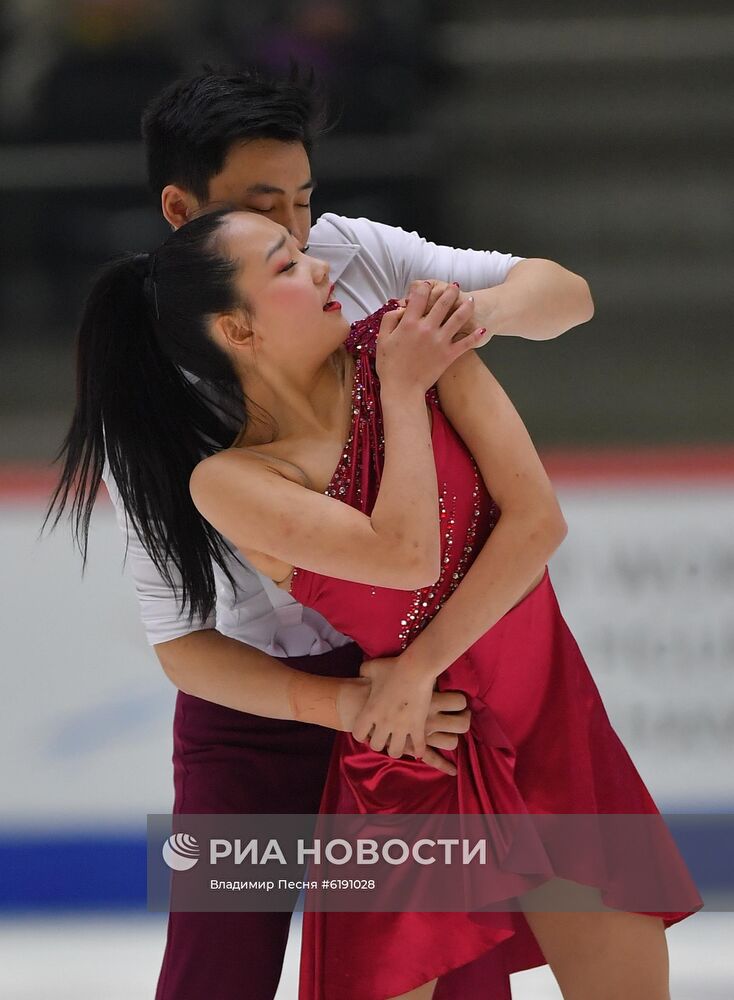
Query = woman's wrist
x=419 y=660
x=397 y=394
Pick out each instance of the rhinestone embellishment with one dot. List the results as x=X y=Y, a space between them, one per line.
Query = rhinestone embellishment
x=346 y=485
x=424 y=602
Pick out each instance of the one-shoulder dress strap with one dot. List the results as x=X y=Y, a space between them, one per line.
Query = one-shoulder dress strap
x=362 y=340
x=362 y=335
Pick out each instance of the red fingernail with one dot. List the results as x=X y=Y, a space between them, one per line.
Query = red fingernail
x=456 y=283
x=483 y=330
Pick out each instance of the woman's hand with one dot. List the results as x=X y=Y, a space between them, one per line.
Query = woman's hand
x=448 y=718
x=396 y=710
x=484 y=307
x=437 y=288
x=415 y=343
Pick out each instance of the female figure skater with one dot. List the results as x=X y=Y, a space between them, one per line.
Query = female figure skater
x=378 y=535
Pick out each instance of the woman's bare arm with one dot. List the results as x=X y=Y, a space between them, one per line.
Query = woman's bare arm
x=398 y=544
x=256 y=508
x=530 y=529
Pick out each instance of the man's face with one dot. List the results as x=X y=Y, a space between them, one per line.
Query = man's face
x=271 y=178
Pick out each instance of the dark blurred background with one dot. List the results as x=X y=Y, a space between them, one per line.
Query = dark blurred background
x=600 y=136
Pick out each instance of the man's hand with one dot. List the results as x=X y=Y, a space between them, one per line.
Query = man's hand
x=437 y=288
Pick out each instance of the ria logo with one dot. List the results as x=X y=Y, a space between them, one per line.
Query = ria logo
x=181 y=852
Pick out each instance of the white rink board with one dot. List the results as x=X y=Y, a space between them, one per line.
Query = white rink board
x=645 y=579
x=86 y=733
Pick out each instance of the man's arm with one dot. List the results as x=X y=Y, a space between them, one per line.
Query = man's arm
x=202 y=661
x=515 y=296
x=207 y=664
x=538 y=300
x=532 y=301
x=228 y=672
x=214 y=667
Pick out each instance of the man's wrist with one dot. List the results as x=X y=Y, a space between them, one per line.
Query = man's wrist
x=351 y=699
x=487 y=309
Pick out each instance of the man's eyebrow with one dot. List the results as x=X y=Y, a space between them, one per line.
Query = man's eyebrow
x=275 y=248
x=270 y=189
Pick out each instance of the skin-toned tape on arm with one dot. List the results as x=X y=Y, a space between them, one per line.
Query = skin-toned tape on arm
x=313 y=699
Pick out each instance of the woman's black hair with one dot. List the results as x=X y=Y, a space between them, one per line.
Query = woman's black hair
x=143 y=328
x=190 y=126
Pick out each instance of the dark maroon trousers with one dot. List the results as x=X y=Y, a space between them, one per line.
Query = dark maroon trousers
x=232 y=762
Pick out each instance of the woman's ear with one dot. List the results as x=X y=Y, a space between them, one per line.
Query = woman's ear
x=178 y=205
x=232 y=329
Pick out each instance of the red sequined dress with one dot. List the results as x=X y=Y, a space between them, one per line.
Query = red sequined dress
x=540 y=740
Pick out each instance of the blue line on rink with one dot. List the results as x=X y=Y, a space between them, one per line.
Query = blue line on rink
x=77 y=872
x=89 y=871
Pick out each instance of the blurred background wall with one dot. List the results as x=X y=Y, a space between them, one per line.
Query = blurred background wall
x=599 y=135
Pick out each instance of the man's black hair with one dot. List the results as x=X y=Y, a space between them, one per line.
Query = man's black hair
x=189 y=127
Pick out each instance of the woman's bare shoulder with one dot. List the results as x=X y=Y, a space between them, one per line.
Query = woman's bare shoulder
x=213 y=471
x=210 y=470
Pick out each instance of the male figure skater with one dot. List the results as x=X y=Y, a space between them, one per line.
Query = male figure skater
x=241 y=139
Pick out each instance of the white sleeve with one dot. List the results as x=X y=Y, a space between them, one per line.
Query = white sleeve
x=159 y=603
x=409 y=256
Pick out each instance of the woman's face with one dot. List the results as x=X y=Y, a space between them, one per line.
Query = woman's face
x=287 y=291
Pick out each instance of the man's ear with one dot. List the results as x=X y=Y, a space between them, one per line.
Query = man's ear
x=178 y=205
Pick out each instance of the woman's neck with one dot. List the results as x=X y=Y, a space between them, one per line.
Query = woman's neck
x=301 y=408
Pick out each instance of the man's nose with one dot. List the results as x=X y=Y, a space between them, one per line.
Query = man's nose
x=289 y=222
x=288 y=219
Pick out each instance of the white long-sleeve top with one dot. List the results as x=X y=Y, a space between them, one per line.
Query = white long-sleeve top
x=370 y=263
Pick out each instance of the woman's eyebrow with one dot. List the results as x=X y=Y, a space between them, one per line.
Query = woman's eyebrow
x=275 y=248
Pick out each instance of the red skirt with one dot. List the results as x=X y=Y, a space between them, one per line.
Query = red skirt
x=540 y=743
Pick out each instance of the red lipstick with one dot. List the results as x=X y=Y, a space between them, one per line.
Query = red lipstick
x=331 y=305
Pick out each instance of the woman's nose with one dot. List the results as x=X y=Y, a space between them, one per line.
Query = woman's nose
x=321 y=270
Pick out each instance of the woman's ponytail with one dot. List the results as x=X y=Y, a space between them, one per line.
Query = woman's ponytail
x=137 y=409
